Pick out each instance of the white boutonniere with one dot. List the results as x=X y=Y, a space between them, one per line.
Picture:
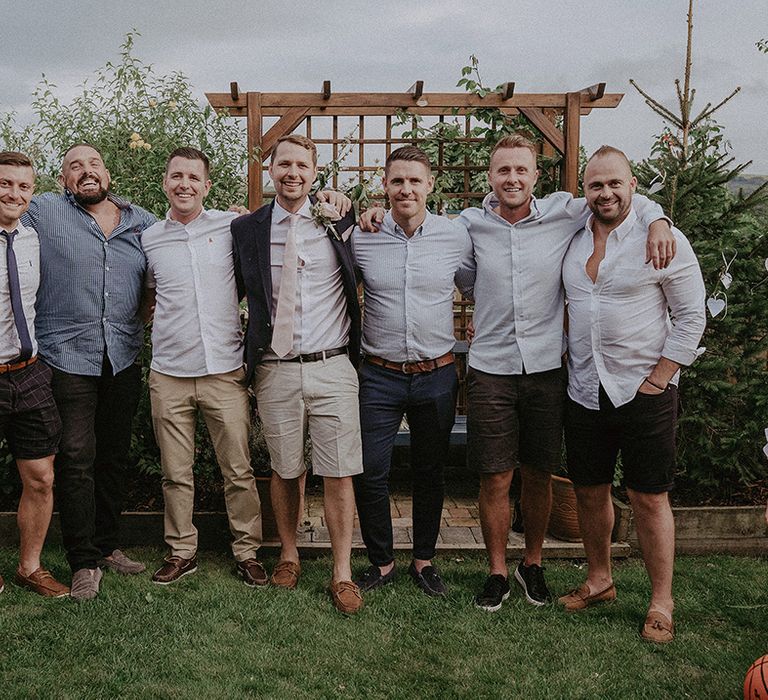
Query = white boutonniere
x=323 y=214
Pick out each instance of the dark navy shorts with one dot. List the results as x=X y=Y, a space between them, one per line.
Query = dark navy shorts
x=643 y=431
x=28 y=416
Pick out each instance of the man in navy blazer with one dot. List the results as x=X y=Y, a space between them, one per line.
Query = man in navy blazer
x=293 y=261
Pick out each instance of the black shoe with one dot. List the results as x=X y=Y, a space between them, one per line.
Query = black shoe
x=428 y=579
x=372 y=578
x=494 y=593
x=531 y=580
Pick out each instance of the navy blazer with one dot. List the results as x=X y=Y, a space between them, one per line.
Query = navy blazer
x=253 y=273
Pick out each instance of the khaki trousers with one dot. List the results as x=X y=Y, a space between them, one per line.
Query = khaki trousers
x=223 y=401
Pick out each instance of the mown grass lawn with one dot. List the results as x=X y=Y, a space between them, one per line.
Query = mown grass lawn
x=211 y=637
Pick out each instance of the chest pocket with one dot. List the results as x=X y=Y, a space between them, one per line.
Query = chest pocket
x=217 y=251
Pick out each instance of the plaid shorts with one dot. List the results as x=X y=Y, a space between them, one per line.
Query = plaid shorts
x=28 y=416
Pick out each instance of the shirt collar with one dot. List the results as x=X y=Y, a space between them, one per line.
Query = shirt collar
x=391 y=225
x=201 y=216
x=623 y=229
x=119 y=202
x=279 y=214
x=491 y=202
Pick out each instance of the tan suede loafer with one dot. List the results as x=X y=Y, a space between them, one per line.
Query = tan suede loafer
x=286 y=574
x=346 y=597
x=42 y=582
x=658 y=628
x=582 y=597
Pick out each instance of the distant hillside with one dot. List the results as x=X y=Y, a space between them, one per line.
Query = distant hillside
x=747 y=183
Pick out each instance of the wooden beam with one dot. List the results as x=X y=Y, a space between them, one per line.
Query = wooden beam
x=507 y=91
x=572 y=119
x=417 y=89
x=255 y=156
x=234 y=91
x=285 y=125
x=326 y=89
x=595 y=92
x=273 y=103
x=548 y=130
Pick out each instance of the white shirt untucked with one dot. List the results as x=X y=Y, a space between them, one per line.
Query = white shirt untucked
x=631 y=316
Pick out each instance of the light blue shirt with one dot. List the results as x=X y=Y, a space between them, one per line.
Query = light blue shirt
x=518 y=290
x=196 y=328
x=90 y=284
x=408 y=286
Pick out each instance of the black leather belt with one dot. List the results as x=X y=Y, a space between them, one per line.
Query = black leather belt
x=13 y=366
x=412 y=367
x=316 y=356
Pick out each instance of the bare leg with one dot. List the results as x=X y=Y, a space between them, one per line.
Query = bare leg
x=495 y=518
x=302 y=503
x=536 y=503
x=35 y=508
x=285 y=503
x=339 y=503
x=595 y=511
x=656 y=535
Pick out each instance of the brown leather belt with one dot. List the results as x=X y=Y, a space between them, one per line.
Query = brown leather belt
x=13 y=366
x=412 y=367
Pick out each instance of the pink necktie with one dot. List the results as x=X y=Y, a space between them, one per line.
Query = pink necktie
x=282 y=334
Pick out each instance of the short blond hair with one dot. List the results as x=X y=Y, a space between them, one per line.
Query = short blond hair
x=298 y=140
x=515 y=141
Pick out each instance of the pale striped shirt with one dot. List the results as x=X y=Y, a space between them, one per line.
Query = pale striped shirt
x=90 y=284
x=408 y=286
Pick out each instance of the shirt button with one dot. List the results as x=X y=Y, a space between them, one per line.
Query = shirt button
x=106 y=294
x=106 y=244
x=106 y=267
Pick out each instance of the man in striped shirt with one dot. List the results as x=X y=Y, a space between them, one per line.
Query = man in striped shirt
x=90 y=333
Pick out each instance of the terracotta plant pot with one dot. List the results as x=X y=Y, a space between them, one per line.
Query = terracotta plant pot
x=563 y=521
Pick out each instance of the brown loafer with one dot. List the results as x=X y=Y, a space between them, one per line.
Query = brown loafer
x=252 y=572
x=286 y=574
x=42 y=582
x=2 y=584
x=346 y=597
x=658 y=628
x=173 y=569
x=581 y=597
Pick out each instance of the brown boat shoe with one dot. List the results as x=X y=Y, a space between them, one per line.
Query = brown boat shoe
x=41 y=581
x=173 y=569
x=346 y=597
x=581 y=597
x=252 y=572
x=286 y=574
x=2 y=584
x=658 y=628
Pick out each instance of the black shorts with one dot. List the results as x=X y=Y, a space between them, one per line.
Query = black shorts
x=643 y=430
x=515 y=419
x=28 y=416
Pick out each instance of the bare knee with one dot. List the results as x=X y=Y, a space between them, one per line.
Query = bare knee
x=36 y=476
x=494 y=486
x=649 y=504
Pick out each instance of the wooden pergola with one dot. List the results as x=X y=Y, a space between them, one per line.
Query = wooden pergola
x=271 y=115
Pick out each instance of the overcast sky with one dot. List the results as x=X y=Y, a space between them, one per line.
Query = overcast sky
x=271 y=45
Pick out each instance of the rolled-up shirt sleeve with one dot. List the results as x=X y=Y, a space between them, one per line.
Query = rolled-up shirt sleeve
x=683 y=287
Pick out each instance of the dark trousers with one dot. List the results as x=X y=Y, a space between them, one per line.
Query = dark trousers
x=97 y=415
x=429 y=402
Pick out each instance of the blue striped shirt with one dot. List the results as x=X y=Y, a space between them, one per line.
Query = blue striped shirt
x=90 y=284
x=408 y=285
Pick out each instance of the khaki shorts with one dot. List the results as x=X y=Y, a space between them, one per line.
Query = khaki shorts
x=321 y=397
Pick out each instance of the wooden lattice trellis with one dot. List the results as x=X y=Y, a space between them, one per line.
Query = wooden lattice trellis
x=327 y=118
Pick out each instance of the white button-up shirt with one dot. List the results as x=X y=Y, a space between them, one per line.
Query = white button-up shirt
x=409 y=287
x=321 y=321
x=518 y=291
x=196 y=329
x=26 y=247
x=620 y=326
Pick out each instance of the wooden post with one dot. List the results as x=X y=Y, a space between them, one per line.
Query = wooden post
x=255 y=190
x=569 y=174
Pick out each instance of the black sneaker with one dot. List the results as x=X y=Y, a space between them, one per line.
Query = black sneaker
x=494 y=593
x=428 y=579
x=531 y=580
x=372 y=578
